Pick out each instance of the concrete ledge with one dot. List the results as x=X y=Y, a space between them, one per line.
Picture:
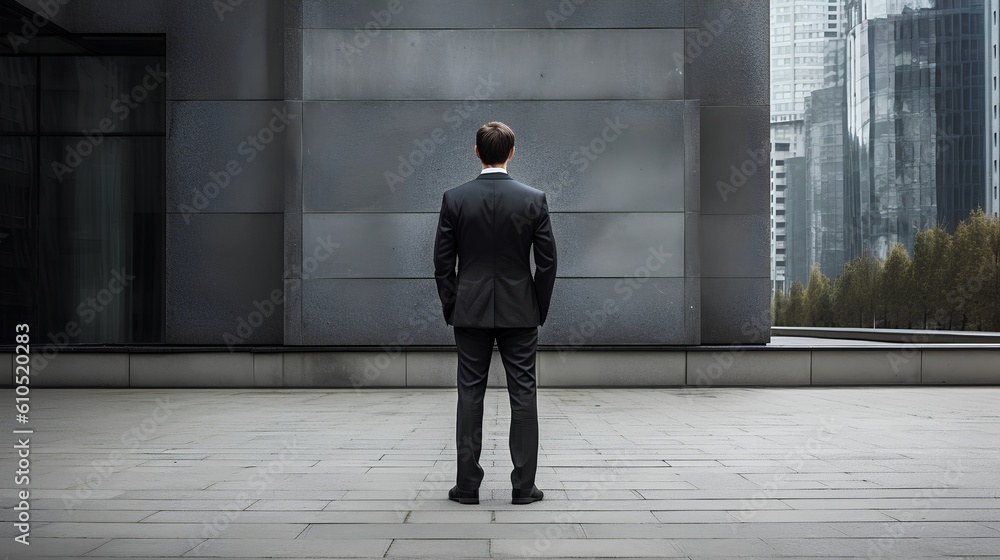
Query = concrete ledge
x=740 y=367
x=83 y=370
x=220 y=369
x=971 y=366
x=7 y=368
x=610 y=369
x=344 y=369
x=267 y=370
x=874 y=366
x=623 y=367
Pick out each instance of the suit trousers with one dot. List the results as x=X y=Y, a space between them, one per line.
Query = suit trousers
x=517 y=348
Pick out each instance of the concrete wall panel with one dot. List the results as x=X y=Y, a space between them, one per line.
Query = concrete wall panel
x=449 y=64
x=512 y=14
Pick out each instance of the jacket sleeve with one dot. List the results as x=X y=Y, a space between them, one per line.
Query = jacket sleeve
x=445 y=258
x=545 y=260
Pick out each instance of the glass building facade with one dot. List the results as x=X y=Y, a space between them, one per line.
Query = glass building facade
x=993 y=107
x=800 y=33
x=82 y=171
x=915 y=136
x=825 y=124
x=798 y=202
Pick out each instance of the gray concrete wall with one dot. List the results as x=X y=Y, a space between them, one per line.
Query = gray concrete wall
x=631 y=79
x=728 y=70
x=323 y=237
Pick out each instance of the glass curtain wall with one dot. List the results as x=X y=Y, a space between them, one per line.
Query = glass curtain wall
x=82 y=189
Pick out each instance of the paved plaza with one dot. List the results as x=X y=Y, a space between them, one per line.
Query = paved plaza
x=894 y=472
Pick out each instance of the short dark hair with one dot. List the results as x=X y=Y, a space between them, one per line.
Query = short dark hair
x=494 y=141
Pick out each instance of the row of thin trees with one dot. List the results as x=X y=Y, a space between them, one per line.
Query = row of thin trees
x=952 y=282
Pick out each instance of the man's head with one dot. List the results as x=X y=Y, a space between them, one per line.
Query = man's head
x=495 y=144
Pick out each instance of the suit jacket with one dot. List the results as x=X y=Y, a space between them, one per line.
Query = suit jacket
x=490 y=225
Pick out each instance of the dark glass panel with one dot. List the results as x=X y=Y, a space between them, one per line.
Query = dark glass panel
x=101 y=261
x=103 y=95
x=17 y=94
x=18 y=234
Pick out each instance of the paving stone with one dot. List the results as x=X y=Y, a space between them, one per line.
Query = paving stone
x=608 y=548
x=441 y=531
x=628 y=473
x=436 y=548
x=291 y=548
x=137 y=547
x=168 y=530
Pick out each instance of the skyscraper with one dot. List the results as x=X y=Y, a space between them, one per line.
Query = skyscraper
x=800 y=30
x=825 y=123
x=916 y=120
x=797 y=217
x=814 y=202
x=992 y=103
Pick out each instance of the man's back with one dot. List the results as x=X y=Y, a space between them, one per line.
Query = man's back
x=490 y=225
x=487 y=227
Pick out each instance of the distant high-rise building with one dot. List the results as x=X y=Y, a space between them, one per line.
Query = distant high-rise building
x=814 y=217
x=797 y=218
x=916 y=119
x=826 y=120
x=992 y=102
x=800 y=30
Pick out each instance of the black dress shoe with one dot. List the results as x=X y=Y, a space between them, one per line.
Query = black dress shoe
x=520 y=497
x=463 y=496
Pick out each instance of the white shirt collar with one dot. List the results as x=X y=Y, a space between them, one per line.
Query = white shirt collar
x=494 y=170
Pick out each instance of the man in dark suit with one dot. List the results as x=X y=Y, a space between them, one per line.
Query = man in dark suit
x=490 y=225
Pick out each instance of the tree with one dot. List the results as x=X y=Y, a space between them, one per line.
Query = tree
x=976 y=255
x=797 y=305
x=951 y=282
x=895 y=287
x=819 y=300
x=844 y=314
x=857 y=291
x=931 y=276
x=779 y=309
x=992 y=273
x=870 y=276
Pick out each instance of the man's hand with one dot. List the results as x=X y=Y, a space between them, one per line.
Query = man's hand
x=445 y=259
